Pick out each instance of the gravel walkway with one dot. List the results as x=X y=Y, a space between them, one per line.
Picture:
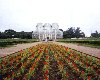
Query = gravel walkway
x=15 y=48
x=91 y=51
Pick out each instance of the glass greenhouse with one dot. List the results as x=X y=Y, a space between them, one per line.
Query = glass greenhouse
x=47 y=32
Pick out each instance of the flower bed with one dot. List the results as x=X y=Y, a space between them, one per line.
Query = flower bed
x=49 y=61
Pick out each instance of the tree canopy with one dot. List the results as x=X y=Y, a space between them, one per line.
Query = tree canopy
x=73 y=33
x=96 y=34
x=13 y=34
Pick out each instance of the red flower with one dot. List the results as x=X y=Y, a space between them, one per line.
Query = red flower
x=82 y=72
x=32 y=55
x=45 y=63
x=60 y=62
x=66 y=73
x=37 y=59
x=32 y=68
x=8 y=76
x=68 y=60
x=98 y=72
x=89 y=78
x=66 y=48
x=46 y=72
x=74 y=65
x=46 y=77
x=47 y=57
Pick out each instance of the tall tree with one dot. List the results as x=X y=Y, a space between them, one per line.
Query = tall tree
x=78 y=33
x=73 y=33
x=3 y=35
x=70 y=32
x=96 y=34
x=10 y=33
x=65 y=34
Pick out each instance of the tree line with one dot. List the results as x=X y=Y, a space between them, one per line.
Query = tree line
x=69 y=33
x=73 y=33
x=77 y=33
x=13 y=34
x=95 y=34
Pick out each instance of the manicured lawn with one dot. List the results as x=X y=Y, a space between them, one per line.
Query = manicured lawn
x=10 y=42
x=91 y=42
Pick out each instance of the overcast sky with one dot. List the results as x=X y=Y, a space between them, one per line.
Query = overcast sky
x=25 y=14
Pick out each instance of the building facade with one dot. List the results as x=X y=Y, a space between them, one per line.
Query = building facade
x=47 y=32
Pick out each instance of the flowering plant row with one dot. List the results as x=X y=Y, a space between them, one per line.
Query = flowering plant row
x=49 y=61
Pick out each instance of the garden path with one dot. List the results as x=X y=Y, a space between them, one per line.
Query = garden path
x=91 y=51
x=15 y=48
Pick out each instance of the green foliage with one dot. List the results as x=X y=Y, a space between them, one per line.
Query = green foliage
x=81 y=41
x=10 y=33
x=73 y=33
x=6 y=42
x=96 y=34
x=91 y=42
x=13 y=34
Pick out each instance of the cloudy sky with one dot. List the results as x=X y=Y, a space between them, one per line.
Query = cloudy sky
x=25 y=14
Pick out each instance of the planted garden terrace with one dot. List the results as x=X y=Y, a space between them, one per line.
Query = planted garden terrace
x=48 y=61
